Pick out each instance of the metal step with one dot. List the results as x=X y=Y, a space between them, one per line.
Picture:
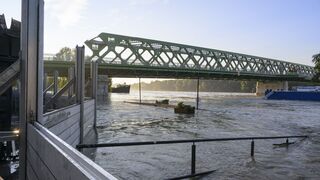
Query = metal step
x=8 y=76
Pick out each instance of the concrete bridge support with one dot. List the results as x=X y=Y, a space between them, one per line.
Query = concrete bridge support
x=102 y=88
x=139 y=90
x=262 y=86
x=198 y=86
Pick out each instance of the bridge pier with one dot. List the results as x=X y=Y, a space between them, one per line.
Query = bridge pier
x=198 y=84
x=139 y=90
x=263 y=85
x=102 y=86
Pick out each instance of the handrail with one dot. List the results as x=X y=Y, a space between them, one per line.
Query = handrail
x=80 y=146
x=193 y=147
x=9 y=135
x=48 y=88
x=60 y=92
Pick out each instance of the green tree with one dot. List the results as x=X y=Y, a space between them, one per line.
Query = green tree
x=243 y=86
x=66 y=54
x=316 y=61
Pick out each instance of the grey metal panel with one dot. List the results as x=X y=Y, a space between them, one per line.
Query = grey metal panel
x=64 y=122
x=30 y=172
x=75 y=137
x=50 y=154
x=65 y=125
x=71 y=131
x=75 y=142
x=88 y=103
x=88 y=111
x=75 y=164
x=35 y=161
x=57 y=116
x=88 y=117
x=87 y=127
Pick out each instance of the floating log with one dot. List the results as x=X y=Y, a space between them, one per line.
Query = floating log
x=283 y=144
x=165 y=101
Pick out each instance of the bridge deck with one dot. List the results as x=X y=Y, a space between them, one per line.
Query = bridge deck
x=132 y=71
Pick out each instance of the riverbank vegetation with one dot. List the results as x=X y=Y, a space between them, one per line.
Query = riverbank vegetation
x=205 y=85
x=316 y=61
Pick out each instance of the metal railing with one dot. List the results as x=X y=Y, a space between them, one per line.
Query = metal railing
x=9 y=135
x=193 y=147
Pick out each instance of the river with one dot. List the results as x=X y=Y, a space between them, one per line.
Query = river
x=220 y=115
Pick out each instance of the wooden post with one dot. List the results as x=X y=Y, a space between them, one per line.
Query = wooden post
x=198 y=93
x=80 y=85
x=31 y=73
x=94 y=76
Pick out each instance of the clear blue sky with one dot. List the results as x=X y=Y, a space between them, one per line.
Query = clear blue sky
x=281 y=29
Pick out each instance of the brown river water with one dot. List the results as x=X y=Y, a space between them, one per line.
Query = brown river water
x=220 y=115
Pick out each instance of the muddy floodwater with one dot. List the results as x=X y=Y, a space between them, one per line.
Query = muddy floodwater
x=220 y=115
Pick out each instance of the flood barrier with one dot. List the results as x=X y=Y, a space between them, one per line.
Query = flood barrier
x=45 y=149
x=65 y=122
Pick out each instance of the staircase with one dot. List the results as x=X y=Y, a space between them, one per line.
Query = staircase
x=8 y=76
x=9 y=68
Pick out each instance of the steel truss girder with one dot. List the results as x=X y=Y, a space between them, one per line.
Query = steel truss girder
x=132 y=52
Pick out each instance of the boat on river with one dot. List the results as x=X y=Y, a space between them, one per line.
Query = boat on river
x=302 y=93
x=121 y=88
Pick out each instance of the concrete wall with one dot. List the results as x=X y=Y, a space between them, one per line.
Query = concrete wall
x=44 y=150
x=262 y=86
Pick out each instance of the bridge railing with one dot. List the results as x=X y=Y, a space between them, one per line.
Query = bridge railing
x=117 y=61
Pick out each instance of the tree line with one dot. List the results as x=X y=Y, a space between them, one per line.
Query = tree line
x=204 y=85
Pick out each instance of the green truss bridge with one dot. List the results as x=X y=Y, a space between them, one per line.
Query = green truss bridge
x=124 y=56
